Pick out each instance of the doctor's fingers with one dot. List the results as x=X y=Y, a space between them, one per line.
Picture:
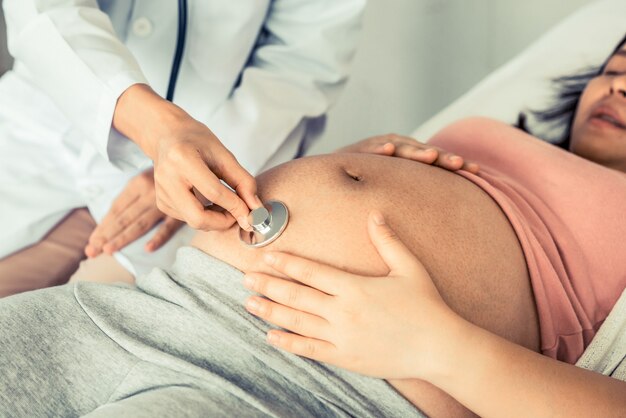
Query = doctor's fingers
x=133 y=231
x=178 y=201
x=228 y=168
x=209 y=185
x=289 y=293
x=302 y=323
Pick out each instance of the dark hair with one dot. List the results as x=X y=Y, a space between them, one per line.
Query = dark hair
x=568 y=90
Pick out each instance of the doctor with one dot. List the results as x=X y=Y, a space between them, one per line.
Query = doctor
x=82 y=113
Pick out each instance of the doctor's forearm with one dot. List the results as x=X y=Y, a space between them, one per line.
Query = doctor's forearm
x=145 y=117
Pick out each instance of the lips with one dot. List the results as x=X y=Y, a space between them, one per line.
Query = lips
x=609 y=115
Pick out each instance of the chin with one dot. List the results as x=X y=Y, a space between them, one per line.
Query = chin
x=602 y=148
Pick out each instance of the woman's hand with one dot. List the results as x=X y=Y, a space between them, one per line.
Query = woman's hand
x=396 y=326
x=404 y=147
x=131 y=216
x=187 y=156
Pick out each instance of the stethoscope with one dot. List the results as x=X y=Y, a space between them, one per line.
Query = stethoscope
x=180 y=48
x=269 y=221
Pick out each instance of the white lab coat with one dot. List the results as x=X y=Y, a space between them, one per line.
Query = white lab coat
x=254 y=71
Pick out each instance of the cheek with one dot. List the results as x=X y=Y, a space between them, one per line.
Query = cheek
x=588 y=98
x=593 y=93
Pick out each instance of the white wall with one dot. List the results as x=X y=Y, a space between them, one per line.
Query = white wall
x=416 y=56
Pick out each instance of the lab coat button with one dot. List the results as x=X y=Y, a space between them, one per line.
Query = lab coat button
x=142 y=27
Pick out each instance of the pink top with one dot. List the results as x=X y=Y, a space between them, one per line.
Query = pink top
x=568 y=214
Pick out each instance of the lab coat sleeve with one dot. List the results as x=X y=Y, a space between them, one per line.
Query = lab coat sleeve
x=70 y=49
x=295 y=73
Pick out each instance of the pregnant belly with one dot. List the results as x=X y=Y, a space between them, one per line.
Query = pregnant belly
x=458 y=232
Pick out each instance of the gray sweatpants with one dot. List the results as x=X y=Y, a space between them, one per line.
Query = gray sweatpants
x=180 y=344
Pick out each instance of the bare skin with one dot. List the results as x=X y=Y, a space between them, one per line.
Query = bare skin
x=135 y=212
x=329 y=198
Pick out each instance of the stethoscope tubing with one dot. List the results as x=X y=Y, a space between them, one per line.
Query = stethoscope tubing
x=180 y=49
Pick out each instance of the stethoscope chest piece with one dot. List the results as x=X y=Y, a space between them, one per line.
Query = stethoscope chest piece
x=267 y=222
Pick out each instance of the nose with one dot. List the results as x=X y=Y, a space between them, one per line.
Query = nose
x=618 y=86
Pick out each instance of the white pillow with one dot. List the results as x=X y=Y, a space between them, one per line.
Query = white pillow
x=584 y=39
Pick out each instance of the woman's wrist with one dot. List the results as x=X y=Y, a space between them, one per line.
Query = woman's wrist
x=444 y=351
x=145 y=117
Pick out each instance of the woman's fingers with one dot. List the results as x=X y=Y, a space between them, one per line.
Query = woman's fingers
x=417 y=152
x=302 y=323
x=302 y=346
x=288 y=293
x=315 y=275
x=166 y=230
x=472 y=167
x=386 y=148
x=394 y=253
x=411 y=149
x=454 y=162
x=431 y=155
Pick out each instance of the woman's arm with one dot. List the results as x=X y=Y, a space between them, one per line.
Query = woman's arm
x=494 y=377
x=399 y=327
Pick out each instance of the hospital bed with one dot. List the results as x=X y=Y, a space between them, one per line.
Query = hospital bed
x=582 y=40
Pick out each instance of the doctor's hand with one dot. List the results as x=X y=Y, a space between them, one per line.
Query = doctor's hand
x=396 y=326
x=393 y=145
x=132 y=215
x=186 y=156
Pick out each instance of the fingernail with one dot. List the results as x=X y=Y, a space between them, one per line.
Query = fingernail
x=248 y=282
x=454 y=158
x=269 y=258
x=272 y=338
x=150 y=247
x=378 y=218
x=252 y=304
x=257 y=201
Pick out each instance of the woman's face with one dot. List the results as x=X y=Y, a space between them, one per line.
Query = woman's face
x=599 y=128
